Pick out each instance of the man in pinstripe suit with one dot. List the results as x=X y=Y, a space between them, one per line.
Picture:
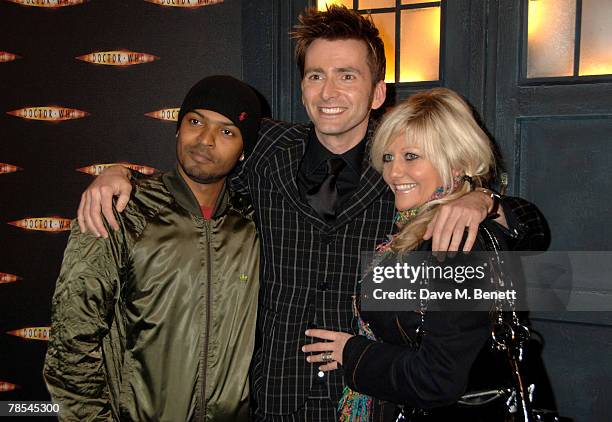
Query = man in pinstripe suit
x=312 y=237
x=311 y=253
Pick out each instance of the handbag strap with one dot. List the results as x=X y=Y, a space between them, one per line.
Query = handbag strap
x=509 y=334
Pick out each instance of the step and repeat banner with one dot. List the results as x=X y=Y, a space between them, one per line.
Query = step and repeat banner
x=84 y=84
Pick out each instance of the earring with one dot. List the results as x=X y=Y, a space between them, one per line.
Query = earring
x=176 y=135
x=241 y=157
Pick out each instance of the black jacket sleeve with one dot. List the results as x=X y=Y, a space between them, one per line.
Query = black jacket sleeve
x=528 y=228
x=432 y=375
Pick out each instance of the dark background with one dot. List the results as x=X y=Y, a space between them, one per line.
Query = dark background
x=555 y=136
x=191 y=44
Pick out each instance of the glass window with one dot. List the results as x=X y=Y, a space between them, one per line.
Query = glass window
x=322 y=4
x=385 y=22
x=375 y=4
x=550 y=38
x=596 y=37
x=569 y=38
x=420 y=45
x=416 y=24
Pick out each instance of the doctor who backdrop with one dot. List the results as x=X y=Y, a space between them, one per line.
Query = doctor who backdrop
x=84 y=84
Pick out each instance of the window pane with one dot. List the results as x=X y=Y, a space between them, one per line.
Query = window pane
x=385 y=22
x=413 y=1
x=322 y=4
x=596 y=37
x=375 y=4
x=420 y=45
x=551 y=27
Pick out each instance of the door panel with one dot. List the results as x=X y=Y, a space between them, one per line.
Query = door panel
x=556 y=139
x=563 y=165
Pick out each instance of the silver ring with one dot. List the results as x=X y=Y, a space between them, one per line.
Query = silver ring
x=327 y=357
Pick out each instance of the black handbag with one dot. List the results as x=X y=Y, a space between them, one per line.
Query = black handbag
x=505 y=394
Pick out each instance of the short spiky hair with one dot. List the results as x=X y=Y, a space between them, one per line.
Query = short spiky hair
x=339 y=23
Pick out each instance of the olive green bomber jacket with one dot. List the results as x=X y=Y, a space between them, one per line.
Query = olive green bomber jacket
x=158 y=321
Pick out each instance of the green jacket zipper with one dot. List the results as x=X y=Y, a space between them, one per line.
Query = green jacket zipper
x=207 y=322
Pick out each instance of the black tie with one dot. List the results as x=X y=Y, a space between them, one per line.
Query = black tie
x=323 y=198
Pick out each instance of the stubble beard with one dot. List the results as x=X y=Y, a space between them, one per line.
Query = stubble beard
x=201 y=178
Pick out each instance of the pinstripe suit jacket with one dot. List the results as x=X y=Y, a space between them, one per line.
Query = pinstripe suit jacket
x=309 y=269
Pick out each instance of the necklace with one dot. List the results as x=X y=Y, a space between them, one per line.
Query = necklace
x=403 y=217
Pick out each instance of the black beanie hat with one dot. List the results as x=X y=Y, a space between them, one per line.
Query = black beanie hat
x=230 y=97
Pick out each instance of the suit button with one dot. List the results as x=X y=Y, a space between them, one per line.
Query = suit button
x=311 y=326
x=322 y=285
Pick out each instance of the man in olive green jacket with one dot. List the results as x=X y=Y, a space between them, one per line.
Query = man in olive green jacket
x=157 y=321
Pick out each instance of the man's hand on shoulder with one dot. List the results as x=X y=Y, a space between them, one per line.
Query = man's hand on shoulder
x=97 y=200
x=447 y=228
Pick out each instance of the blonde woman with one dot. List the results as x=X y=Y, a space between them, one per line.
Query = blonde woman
x=430 y=150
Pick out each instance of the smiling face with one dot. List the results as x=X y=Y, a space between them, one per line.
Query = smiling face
x=412 y=177
x=208 y=146
x=338 y=91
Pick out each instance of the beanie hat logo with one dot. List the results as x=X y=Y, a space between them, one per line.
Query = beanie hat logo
x=243 y=116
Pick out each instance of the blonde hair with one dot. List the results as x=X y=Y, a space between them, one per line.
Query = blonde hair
x=441 y=124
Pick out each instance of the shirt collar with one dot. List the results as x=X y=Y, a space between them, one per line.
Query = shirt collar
x=316 y=154
x=185 y=197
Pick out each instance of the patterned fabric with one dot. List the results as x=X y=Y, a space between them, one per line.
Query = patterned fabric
x=354 y=406
x=530 y=231
x=309 y=268
x=314 y=410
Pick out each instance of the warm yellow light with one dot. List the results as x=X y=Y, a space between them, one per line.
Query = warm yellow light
x=322 y=4
x=420 y=45
x=375 y=4
x=385 y=22
x=596 y=69
x=596 y=36
x=414 y=76
x=550 y=38
x=534 y=18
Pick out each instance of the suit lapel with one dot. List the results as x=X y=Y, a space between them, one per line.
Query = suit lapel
x=287 y=161
x=371 y=186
